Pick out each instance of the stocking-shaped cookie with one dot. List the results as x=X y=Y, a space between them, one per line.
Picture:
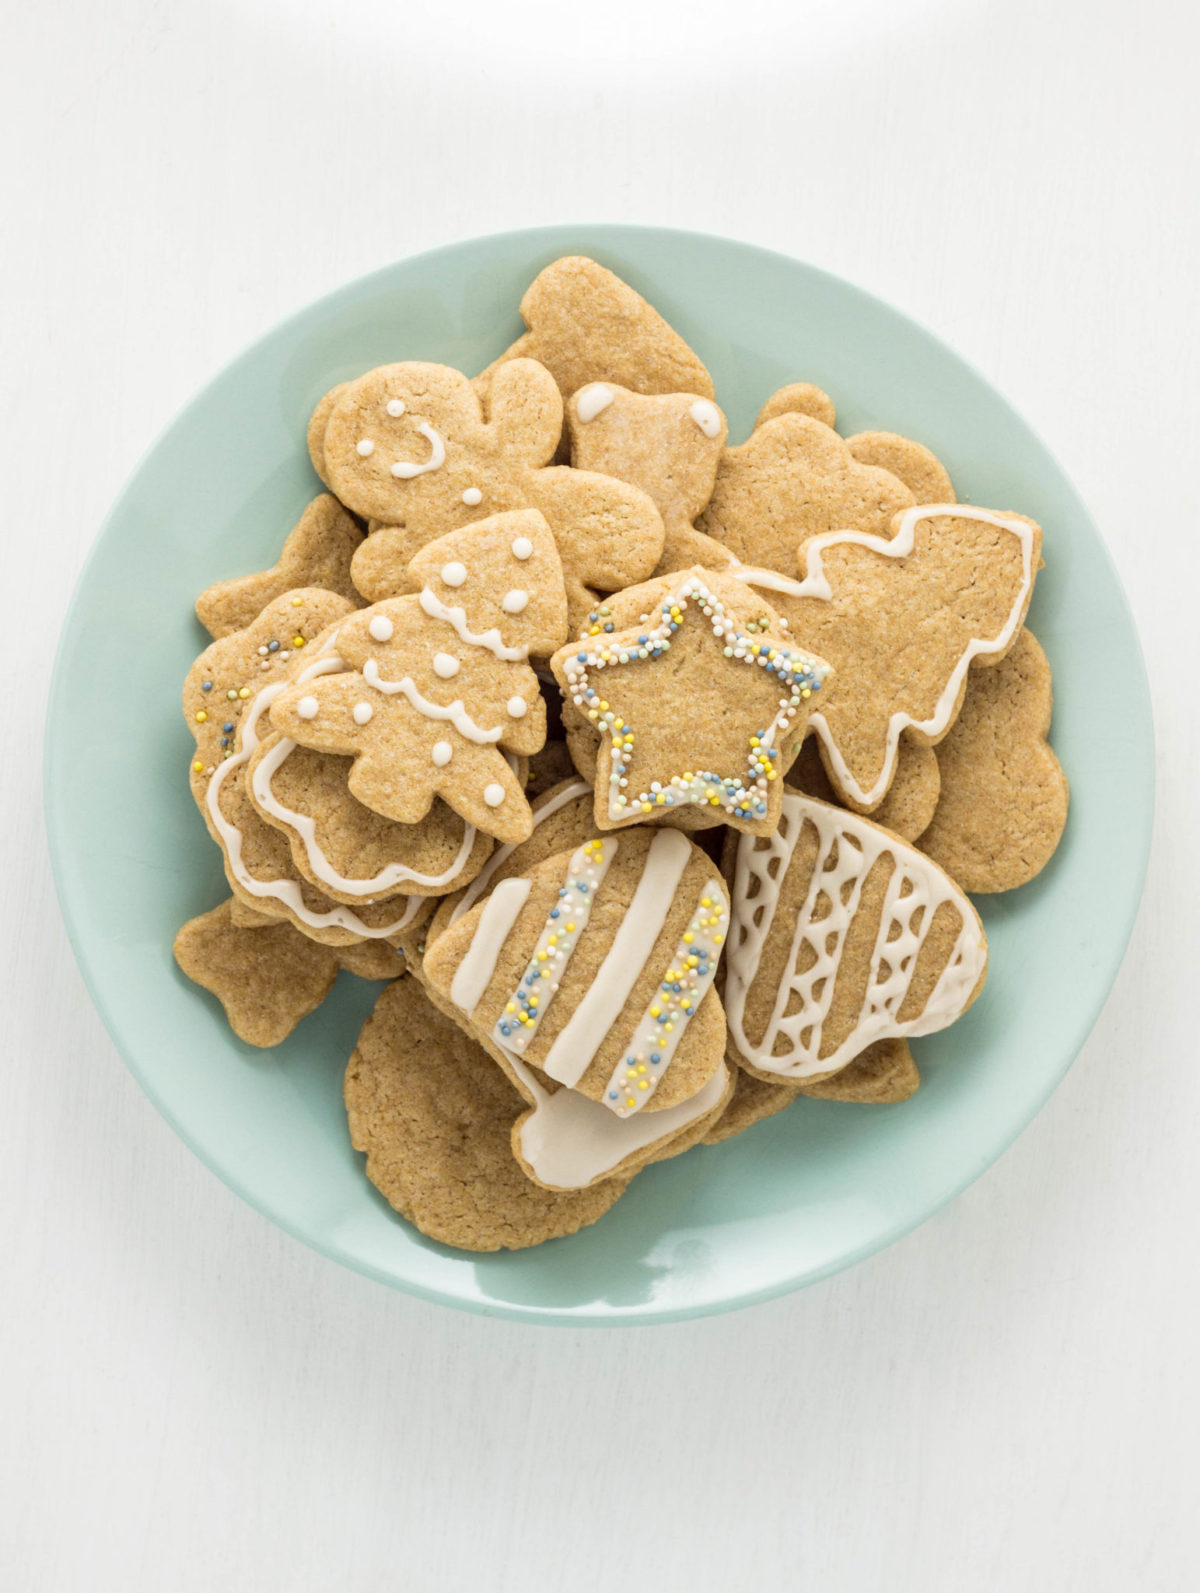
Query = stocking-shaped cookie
x=409 y=445
x=901 y=618
x=842 y=935
x=429 y=691
x=670 y=446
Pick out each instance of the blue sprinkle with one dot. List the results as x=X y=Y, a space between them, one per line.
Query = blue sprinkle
x=612 y=1095
x=581 y=658
x=272 y=647
x=609 y=626
x=554 y=912
x=227 y=726
x=206 y=685
x=655 y=1058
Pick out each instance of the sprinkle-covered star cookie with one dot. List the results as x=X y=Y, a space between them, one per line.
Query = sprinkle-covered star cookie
x=701 y=702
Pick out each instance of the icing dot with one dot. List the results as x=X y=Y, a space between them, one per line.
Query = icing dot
x=454 y=573
x=517 y=707
x=362 y=713
x=366 y=447
x=307 y=707
x=395 y=407
x=442 y=753
x=472 y=496
x=514 y=602
x=522 y=548
x=445 y=666
x=707 y=416
x=381 y=628
x=493 y=795
x=593 y=400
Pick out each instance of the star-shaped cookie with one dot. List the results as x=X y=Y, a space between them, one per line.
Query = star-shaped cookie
x=700 y=697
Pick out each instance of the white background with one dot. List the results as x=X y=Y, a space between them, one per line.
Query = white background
x=1007 y=1400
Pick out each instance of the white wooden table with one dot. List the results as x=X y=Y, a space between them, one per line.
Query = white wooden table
x=1007 y=1400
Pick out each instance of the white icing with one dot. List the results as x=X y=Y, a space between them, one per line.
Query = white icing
x=454 y=573
x=662 y=1026
x=707 y=416
x=816 y=585
x=307 y=708
x=437 y=456
x=493 y=794
x=366 y=448
x=569 y=1140
x=580 y=1037
x=455 y=713
x=517 y=707
x=445 y=666
x=474 y=973
x=472 y=496
x=363 y=713
x=515 y=601
x=522 y=548
x=395 y=407
x=593 y=400
x=286 y=890
x=791 y=1042
x=442 y=753
x=457 y=617
x=381 y=628
x=568 y=917
x=483 y=879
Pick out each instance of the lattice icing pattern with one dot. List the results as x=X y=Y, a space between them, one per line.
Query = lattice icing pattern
x=847 y=850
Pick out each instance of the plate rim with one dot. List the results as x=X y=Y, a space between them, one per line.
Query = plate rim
x=56 y=822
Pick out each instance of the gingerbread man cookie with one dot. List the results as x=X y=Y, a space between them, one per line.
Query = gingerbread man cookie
x=408 y=445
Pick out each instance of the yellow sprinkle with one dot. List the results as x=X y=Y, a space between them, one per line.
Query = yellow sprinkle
x=718 y=939
x=660 y=798
x=570 y=929
x=245 y=691
x=688 y=938
x=642 y=1068
x=645 y=807
x=198 y=766
x=668 y=1027
x=511 y=1007
x=806 y=692
x=296 y=602
x=643 y=1084
x=630 y=1101
x=201 y=716
x=603 y=707
x=297 y=641
x=533 y=1001
x=655 y=1011
x=592 y=713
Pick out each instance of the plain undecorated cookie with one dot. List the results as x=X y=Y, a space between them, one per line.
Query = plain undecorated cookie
x=317 y=552
x=434 y=1115
x=1004 y=795
x=586 y=325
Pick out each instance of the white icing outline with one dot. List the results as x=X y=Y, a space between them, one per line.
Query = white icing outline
x=285 y=890
x=859 y=845
x=593 y=400
x=816 y=584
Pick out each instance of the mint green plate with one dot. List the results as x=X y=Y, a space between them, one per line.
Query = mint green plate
x=798 y=1197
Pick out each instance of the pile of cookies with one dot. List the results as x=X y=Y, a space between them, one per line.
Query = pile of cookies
x=651 y=775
